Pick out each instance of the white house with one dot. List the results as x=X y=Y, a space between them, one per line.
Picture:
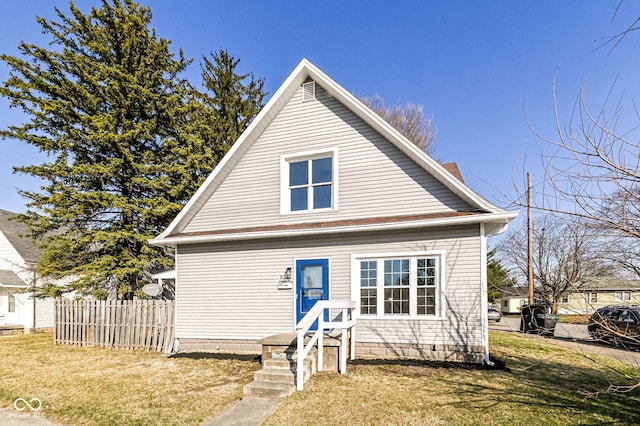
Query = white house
x=321 y=199
x=18 y=257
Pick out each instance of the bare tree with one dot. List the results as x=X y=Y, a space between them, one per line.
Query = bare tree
x=592 y=176
x=594 y=173
x=408 y=119
x=565 y=256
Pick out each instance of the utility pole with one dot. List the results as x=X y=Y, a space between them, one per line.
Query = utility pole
x=529 y=240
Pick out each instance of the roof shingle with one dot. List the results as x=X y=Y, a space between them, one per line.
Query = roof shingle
x=16 y=232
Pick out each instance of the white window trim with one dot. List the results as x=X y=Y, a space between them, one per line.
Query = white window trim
x=285 y=197
x=622 y=295
x=440 y=299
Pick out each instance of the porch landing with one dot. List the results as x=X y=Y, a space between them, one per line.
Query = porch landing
x=283 y=345
x=277 y=379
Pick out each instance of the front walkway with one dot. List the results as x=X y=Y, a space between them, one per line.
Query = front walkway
x=10 y=417
x=249 y=411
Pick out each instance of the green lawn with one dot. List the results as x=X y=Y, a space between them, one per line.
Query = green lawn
x=541 y=384
x=96 y=386
x=537 y=384
x=575 y=319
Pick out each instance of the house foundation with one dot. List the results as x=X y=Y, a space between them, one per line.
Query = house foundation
x=11 y=330
x=456 y=353
x=284 y=344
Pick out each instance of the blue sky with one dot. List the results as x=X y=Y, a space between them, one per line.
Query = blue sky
x=476 y=67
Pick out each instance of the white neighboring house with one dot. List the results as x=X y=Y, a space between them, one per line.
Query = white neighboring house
x=18 y=257
x=321 y=199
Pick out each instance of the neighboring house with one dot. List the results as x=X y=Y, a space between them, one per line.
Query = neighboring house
x=320 y=198
x=18 y=257
x=600 y=293
x=165 y=289
x=512 y=299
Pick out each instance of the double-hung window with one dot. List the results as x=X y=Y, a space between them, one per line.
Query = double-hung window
x=11 y=305
x=393 y=286
x=624 y=296
x=308 y=181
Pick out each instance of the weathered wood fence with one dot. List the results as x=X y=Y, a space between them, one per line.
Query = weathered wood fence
x=118 y=324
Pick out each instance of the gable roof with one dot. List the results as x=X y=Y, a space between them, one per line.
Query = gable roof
x=10 y=279
x=16 y=232
x=515 y=292
x=304 y=71
x=611 y=284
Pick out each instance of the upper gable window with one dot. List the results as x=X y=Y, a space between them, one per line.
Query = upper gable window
x=309 y=181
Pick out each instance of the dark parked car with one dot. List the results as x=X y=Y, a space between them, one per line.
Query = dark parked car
x=619 y=325
x=494 y=315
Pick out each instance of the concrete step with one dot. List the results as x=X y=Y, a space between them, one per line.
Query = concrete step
x=269 y=389
x=285 y=364
x=278 y=376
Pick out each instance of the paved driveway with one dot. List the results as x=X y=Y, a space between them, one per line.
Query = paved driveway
x=573 y=336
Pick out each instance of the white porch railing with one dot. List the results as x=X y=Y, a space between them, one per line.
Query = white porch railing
x=346 y=324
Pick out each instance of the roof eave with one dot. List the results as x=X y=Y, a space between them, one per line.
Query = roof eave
x=501 y=217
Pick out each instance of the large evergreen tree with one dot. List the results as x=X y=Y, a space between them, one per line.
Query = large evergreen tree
x=106 y=103
x=231 y=100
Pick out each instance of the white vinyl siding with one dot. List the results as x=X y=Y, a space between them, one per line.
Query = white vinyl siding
x=230 y=290
x=44 y=312
x=375 y=178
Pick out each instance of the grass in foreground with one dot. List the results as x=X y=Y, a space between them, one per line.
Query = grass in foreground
x=105 y=387
x=542 y=384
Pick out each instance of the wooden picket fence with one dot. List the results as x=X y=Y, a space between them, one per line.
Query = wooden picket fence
x=115 y=324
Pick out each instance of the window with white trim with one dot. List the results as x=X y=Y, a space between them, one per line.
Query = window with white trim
x=11 y=303
x=400 y=286
x=623 y=296
x=564 y=298
x=368 y=287
x=309 y=181
x=593 y=297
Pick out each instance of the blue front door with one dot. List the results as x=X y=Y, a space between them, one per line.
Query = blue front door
x=312 y=284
